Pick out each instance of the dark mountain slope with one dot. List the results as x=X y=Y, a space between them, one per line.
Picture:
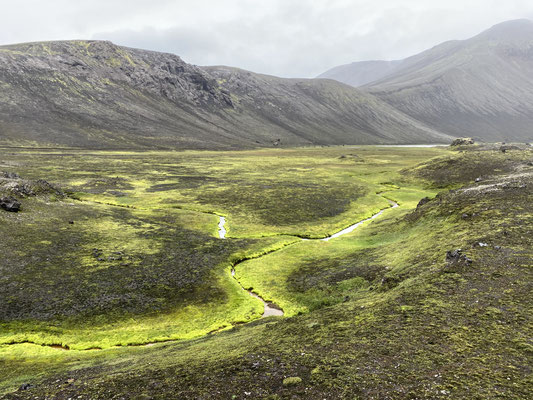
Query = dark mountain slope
x=481 y=87
x=97 y=94
x=360 y=73
x=317 y=111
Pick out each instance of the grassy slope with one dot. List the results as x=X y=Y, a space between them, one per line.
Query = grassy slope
x=411 y=326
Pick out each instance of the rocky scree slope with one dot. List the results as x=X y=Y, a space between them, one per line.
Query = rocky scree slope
x=318 y=111
x=481 y=87
x=98 y=95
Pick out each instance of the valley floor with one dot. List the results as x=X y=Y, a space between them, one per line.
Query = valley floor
x=117 y=258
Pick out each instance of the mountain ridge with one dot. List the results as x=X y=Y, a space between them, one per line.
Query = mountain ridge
x=480 y=87
x=98 y=94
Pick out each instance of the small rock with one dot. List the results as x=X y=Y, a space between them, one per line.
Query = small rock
x=478 y=179
x=390 y=281
x=455 y=257
x=422 y=202
x=464 y=216
x=25 y=386
x=503 y=149
x=10 y=175
x=10 y=204
x=462 y=141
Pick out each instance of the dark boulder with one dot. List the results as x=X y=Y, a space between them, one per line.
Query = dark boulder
x=25 y=188
x=10 y=204
x=503 y=149
x=456 y=258
x=390 y=281
x=453 y=255
x=462 y=142
x=422 y=202
x=10 y=175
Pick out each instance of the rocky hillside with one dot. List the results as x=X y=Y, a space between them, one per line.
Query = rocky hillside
x=99 y=95
x=317 y=111
x=480 y=87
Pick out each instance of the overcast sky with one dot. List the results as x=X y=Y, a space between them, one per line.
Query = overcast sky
x=291 y=38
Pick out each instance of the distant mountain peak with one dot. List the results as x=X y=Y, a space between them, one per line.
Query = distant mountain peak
x=362 y=72
x=514 y=30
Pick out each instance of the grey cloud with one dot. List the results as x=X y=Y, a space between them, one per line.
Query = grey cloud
x=292 y=38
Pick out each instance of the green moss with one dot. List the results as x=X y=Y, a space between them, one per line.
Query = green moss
x=292 y=380
x=383 y=313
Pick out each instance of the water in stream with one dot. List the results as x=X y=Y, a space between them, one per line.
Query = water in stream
x=221 y=228
x=271 y=309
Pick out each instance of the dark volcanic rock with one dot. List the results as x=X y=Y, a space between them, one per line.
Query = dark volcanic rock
x=24 y=188
x=456 y=257
x=505 y=148
x=462 y=142
x=10 y=175
x=10 y=204
x=423 y=201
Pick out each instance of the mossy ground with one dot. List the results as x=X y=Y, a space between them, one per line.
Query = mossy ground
x=383 y=314
x=132 y=256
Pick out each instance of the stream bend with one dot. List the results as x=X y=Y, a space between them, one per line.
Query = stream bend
x=271 y=309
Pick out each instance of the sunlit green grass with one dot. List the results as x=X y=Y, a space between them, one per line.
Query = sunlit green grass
x=132 y=202
x=379 y=306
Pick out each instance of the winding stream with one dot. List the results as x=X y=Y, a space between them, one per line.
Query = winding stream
x=271 y=309
x=358 y=224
